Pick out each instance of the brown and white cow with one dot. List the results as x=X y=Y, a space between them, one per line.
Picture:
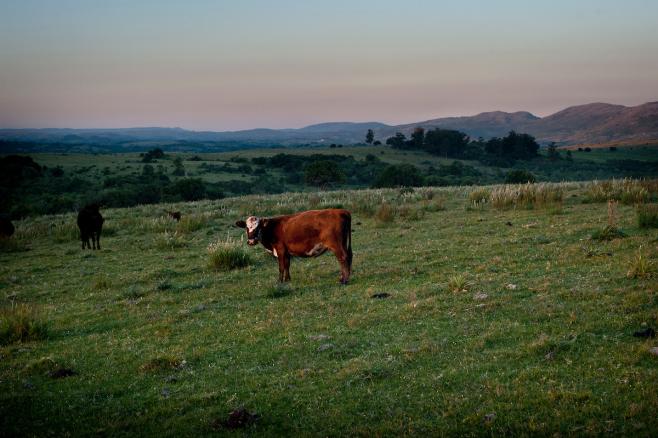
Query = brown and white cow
x=306 y=234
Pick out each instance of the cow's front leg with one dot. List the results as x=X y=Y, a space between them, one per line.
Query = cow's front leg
x=284 y=266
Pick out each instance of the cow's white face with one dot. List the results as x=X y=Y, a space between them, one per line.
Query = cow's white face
x=252 y=225
x=252 y=230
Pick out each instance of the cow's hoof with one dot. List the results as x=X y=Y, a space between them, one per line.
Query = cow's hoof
x=343 y=282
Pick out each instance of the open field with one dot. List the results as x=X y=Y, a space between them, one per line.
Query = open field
x=498 y=321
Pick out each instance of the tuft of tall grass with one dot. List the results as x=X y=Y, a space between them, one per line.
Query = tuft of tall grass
x=647 y=215
x=191 y=223
x=477 y=198
x=228 y=255
x=526 y=195
x=627 y=191
x=458 y=283
x=640 y=266
x=170 y=241
x=21 y=323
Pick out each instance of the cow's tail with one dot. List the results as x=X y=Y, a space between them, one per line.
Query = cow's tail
x=347 y=239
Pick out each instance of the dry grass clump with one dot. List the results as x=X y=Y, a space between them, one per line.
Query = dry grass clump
x=477 y=198
x=385 y=214
x=228 y=255
x=627 y=190
x=647 y=215
x=526 y=195
x=21 y=323
x=611 y=231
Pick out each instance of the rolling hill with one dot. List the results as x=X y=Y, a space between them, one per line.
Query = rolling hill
x=582 y=124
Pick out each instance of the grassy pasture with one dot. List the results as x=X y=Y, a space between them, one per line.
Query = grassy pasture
x=498 y=321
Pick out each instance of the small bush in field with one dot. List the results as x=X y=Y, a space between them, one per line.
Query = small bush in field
x=228 y=255
x=385 y=214
x=647 y=216
x=21 y=323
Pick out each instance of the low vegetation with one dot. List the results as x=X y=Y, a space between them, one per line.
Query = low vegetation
x=647 y=215
x=21 y=323
x=456 y=321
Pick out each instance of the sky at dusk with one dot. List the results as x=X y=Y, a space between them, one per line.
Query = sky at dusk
x=227 y=65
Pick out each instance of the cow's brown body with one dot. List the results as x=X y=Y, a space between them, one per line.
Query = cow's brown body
x=306 y=234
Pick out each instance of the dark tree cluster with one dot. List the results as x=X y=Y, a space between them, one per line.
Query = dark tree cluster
x=152 y=155
x=450 y=143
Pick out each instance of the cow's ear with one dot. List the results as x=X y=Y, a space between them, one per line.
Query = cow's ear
x=241 y=224
x=264 y=222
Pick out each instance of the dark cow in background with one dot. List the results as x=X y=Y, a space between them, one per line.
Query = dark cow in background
x=305 y=234
x=6 y=227
x=90 y=223
x=174 y=215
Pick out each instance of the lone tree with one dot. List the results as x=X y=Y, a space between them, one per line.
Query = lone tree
x=553 y=153
x=370 y=136
x=418 y=137
x=323 y=173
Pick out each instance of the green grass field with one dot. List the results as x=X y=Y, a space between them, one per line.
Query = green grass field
x=498 y=322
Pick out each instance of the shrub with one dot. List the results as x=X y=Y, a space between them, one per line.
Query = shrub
x=519 y=177
x=647 y=215
x=228 y=255
x=21 y=323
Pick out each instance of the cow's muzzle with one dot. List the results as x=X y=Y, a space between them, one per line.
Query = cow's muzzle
x=252 y=242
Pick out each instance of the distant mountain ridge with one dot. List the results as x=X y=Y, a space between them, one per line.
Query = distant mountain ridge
x=582 y=124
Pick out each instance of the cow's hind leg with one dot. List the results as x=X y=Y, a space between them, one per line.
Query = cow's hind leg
x=345 y=259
